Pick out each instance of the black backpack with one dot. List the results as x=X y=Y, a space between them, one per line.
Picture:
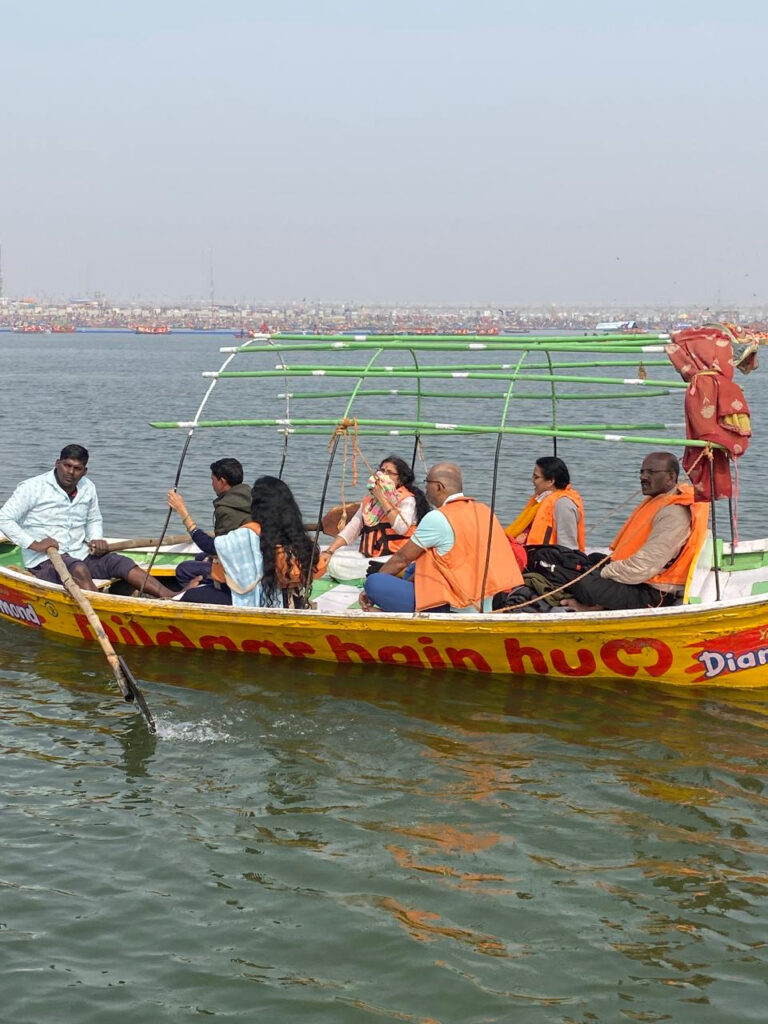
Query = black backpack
x=520 y=596
x=559 y=565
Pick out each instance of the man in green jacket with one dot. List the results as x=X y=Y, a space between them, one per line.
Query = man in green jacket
x=231 y=508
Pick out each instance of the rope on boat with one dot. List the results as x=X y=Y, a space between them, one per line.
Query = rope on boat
x=343 y=431
x=556 y=590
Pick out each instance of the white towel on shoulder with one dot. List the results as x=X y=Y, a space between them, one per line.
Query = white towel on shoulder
x=240 y=555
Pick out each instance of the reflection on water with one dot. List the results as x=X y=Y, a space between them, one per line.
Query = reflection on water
x=365 y=841
x=360 y=843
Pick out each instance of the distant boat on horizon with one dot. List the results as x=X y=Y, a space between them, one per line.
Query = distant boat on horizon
x=614 y=326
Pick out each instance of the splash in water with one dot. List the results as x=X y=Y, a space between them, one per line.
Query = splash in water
x=192 y=732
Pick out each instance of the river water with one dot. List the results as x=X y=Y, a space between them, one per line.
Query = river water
x=354 y=843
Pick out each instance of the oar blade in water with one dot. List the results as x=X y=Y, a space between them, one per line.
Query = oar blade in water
x=134 y=694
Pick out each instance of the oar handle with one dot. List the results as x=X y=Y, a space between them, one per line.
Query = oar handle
x=82 y=601
x=146 y=542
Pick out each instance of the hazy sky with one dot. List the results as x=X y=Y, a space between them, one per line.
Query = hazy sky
x=413 y=151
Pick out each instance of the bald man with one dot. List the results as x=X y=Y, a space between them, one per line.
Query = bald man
x=445 y=559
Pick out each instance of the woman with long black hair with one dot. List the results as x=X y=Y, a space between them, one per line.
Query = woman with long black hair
x=267 y=562
x=388 y=514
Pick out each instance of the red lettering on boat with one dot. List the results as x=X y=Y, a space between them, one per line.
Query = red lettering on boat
x=142 y=634
x=111 y=634
x=125 y=633
x=256 y=646
x=400 y=655
x=298 y=649
x=209 y=642
x=431 y=653
x=586 y=666
x=345 y=649
x=516 y=653
x=610 y=652
x=165 y=638
x=83 y=626
x=460 y=656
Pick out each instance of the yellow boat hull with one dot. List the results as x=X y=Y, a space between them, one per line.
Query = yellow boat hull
x=723 y=645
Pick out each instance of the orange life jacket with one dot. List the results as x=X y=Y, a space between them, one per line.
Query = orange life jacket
x=287 y=576
x=379 y=540
x=456 y=577
x=637 y=529
x=544 y=529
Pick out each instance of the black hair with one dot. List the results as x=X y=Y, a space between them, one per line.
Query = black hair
x=74 y=451
x=274 y=508
x=228 y=469
x=672 y=464
x=406 y=477
x=554 y=469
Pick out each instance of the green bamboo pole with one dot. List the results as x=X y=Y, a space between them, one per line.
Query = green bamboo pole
x=364 y=372
x=481 y=395
x=474 y=339
x=445 y=428
x=503 y=367
x=429 y=374
x=618 y=426
x=451 y=345
x=571 y=365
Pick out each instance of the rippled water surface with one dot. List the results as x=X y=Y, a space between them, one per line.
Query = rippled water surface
x=350 y=844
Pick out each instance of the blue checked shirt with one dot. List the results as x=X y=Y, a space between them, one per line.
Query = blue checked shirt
x=40 y=508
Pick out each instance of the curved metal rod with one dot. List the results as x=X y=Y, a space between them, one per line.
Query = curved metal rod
x=284 y=365
x=307 y=581
x=553 y=399
x=512 y=382
x=417 y=435
x=712 y=503
x=179 y=467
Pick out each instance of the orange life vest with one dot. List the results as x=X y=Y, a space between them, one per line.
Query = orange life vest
x=456 y=577
x=637 y=529
x=381 y=539
x=544 y=529
x=287 y=576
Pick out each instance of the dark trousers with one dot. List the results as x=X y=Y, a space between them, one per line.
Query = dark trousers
x=101 y=567
x=186 y=571
x=208 y=594
x=593 y=589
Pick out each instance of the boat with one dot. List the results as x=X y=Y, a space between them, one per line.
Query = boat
x=717 y=635
x=616 y=326
x=155 y=329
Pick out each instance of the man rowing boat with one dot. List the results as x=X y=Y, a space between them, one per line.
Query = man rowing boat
x=60 y=509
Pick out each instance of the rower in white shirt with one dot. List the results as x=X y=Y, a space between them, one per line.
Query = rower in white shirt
x=60 y=509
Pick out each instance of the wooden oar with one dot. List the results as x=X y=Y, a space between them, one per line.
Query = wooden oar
x=146 y=542
x=125 y=681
